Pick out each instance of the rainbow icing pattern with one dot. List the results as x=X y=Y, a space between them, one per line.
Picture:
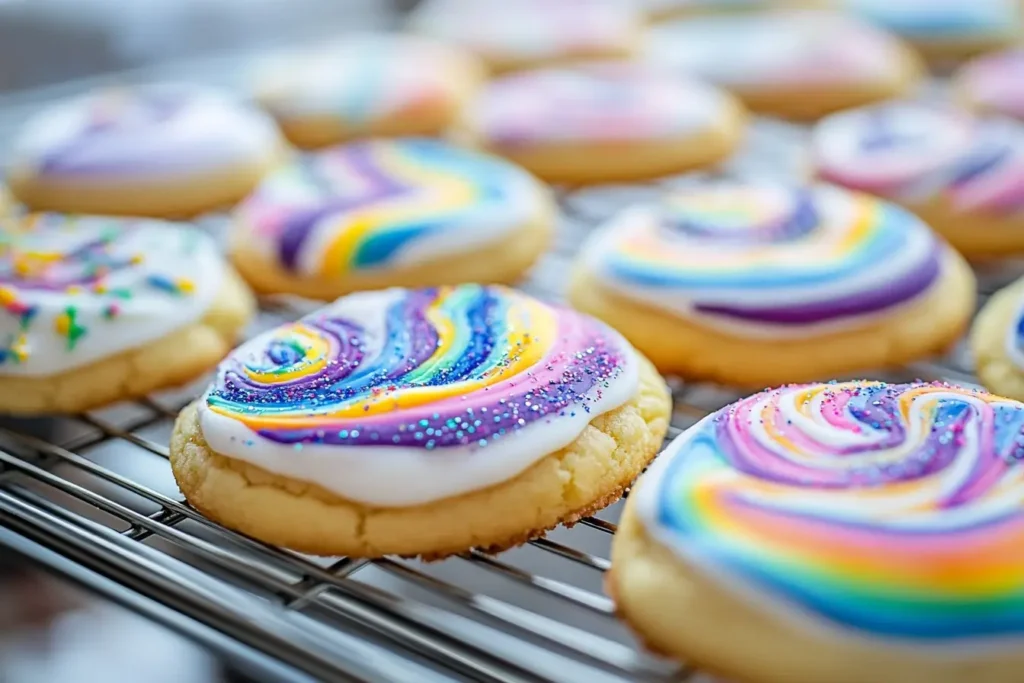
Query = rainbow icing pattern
x=357 y=395
x=767 y=259
x=383 y=203
x=894 y=511
x=914 y=152
x=995 y=83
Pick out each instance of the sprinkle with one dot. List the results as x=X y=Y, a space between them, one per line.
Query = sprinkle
x=66 y=325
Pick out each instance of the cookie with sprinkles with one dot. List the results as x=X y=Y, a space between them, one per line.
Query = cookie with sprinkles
x=378 y=213
x=843 y=532
x=754 y=284
x=160 y=150
x=96 y=310
x=420 y=422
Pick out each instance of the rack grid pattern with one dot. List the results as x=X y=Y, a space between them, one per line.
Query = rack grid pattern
x=97 y=489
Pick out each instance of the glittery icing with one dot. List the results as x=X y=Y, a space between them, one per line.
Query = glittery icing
x=765 y=259
x=383 y=203
x=402 y=396
x=916 y=153
x=995 y=83
x=942 y=19
x=76 y=290
x=892 y=511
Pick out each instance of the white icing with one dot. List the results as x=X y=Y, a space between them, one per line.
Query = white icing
x=150 y=313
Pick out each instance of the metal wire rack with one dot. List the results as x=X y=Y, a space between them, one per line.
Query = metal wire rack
x=97 y=490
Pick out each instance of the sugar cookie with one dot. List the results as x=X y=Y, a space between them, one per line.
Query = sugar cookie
x=420 y=422
x=157 y=150
x=964 y=176
x=947 y=28
x=664 y=9
x=798 y=64
x=367 y=85
x=848 y=532
x=97 y=310
x=377 y=213
x=997 y=342
x=604 y=122
x=527 y=33
x=755 y=285
x=994 y=84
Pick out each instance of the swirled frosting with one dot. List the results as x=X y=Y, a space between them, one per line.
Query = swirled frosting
x=766 y=260
x=942 y=19
x=76 y=290
x=600 y=102
x=916 y=153
x=894 y=511
x=995 y=83
x=385 y=203
x=400 y=397
x=143 y=132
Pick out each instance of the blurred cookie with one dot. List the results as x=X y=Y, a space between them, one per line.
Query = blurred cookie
x=997 y=342
x=664 y=9
x=993 y=84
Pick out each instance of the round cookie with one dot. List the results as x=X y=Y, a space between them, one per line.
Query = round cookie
x=755 y=285
x=666 y=9
x=97 y=310
x=420 y=422
x=796 y=64
x=997 y=342
x=365 y=86
x=845 y=532
x=378 y=213
x=604 y=122
x=947 y=28
x=994 y=84
x=162 y=150
x=963 y=175
x=529 y=33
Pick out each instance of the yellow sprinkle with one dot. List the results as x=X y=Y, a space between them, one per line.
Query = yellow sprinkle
x=74 y=289
x=62 y=323
x=186 y=285
x=7 y=296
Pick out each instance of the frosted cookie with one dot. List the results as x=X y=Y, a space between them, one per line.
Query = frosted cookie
x=526 y=33
x=664 y=9
x=756 y=285
x=793 y=64
x=997 y=342
x=377 y=213
x=364 y=86
x=947 y=28
x=963 y=175
x=604 y=122
x=994 y=84
x=846 y=533
x=155 y=150
x=97 y=310
x=420 y=422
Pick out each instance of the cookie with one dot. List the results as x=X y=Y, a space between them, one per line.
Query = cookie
x=530 y=33
x=795 y=64
x=98 y=310
x=420 y=422
x=993 y=84
x=604 y=122
x=997 y=342
x=963 y=175
x=365 y=86
x=943 y=29
x=160 y=150
x=848 y=532
x=664 y=9
x=379 y=213
x=761 y=284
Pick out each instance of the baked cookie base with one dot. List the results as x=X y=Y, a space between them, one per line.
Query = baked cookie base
x=678 y=611
x=930 y=324
x=171 y=361
x=976 y=235
x=561 y=488
x=992 y=326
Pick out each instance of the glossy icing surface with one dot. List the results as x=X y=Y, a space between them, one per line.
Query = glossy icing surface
x=892 y=511
x=766 y=260
x=938 y=19
x=917 y=153
x=385 y=203
x=995 y=83
x=76 y=290
x=400 y=397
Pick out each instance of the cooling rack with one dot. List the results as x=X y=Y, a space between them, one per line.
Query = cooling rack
x=95 y=492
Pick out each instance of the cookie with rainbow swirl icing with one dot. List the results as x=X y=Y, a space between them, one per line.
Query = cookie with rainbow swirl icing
x=378 y=213
x=760 y=284
x=997 y=342
x=963 y=175
x=420 y=422
x=994 y=83
x=846 y=532
x=604 y=122
x=161 y=150
x=96 y=310
x=367 y=85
